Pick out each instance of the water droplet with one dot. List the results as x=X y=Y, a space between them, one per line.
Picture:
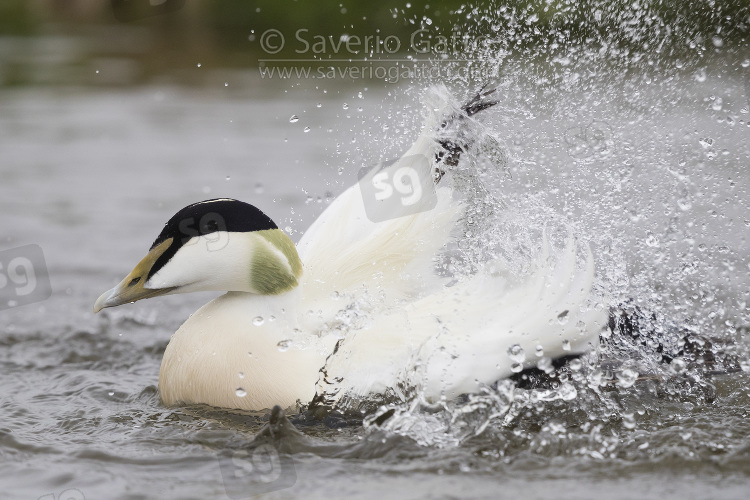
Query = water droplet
x=258 y=320
x=678 y=365
x=562 y=318
x=335 y=295
x=249 y=354
x=229 y=178
x=575 y=364
x=539 y=351
x=567 y=392
x=259 y=188
x=241 y=375
x=226 y=84
x=597 y=378
x=111 y=393
x=684 y=203
x=627 y=377
x=293 y=119
x=306 y=129
x=700 y=76
x=240 y=392
x=628 y=420
x=199 y=65
x=284 y=345
x=717 y=41
x=545 y=364
x=516 y=367
x=566 y=345
x=345 y=106
x=319 y=105
x=515 y=353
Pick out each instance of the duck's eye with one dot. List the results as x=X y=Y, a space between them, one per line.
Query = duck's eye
x=134 y=281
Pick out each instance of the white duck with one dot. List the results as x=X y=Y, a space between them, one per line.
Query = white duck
x=356 y=309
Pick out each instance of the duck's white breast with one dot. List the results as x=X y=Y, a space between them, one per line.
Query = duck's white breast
x=228 y=354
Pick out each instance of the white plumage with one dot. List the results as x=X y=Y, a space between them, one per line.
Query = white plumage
x=370 y=314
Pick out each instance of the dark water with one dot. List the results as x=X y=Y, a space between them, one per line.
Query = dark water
x=91 y=175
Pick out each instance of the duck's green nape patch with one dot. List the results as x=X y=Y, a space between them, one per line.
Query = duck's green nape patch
x=269 y=274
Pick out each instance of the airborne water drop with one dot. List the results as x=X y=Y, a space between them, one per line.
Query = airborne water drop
x=515 y=353
x=284 y=345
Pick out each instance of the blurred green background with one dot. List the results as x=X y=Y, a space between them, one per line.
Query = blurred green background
x=67 y=41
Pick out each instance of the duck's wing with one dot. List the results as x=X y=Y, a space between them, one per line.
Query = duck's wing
x=458 y=339
x=345 y=251
x=346 y=248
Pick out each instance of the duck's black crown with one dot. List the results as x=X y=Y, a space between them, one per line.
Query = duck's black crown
x=206 y=217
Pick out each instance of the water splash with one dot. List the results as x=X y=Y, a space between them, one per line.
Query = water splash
x=606 y=129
